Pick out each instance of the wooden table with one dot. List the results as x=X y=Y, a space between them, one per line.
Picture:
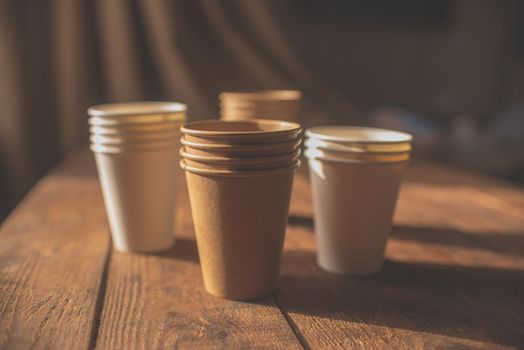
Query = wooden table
x=454 y=276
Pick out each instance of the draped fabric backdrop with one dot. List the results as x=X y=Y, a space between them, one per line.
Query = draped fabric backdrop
x=57 y=57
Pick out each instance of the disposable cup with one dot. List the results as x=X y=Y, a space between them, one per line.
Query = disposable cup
x=135 y=129
x=261 y=95
x=358 y=147
x=231 y=163
x=135 y=138
x=240 y=220
x=358 y=135
x=114 y=114
x=132 y=147
x=137 y=120
x=353 y=156
x=139 y=194
x=265 y=107
x=254 y=131
x=227 y=115
x=282 y=110
x=243 y=151
x=255 y=112
x=353 y=204
x=261 y=107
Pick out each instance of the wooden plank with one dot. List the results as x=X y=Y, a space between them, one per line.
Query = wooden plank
x=158 y=301
x=431 y=174
x=454 y=276
x=52 y=255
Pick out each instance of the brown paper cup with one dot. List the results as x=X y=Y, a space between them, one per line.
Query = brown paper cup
x=139 y=194
x=261 y=95
x=240 y=220
x=241 y=164
x=354 y=205
x=244 y=151
x=231 y=115
x=255 y=131
x=266 y=107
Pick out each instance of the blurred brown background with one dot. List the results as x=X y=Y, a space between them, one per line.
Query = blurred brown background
x=449 y=71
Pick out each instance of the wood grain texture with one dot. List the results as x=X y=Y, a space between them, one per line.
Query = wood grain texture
x=454 y=275
x=52 y=253
x=158 y=301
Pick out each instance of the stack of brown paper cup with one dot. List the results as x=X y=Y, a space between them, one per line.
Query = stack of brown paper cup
x=136 y=152
x=239 y=176
x=355 y=177
x=271 y=104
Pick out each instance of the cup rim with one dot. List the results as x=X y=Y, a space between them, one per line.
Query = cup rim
x=101 y=148
x=257 y=95
x=357 y=153
x=310 y=156
x=198 y=129
x=116 y=140
x=110 y=130
x=294 y=143
x=260 y=105
x=240 y=161
x=360 y=148
x=139 y=119
x=136 y=108
x=237 y=173
x=357 y=134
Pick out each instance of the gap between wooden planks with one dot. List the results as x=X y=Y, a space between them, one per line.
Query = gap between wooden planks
x=158 y=301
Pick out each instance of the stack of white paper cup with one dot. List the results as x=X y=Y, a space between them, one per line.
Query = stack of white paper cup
x=267 y=104
x=355 y=177
x=136 y=152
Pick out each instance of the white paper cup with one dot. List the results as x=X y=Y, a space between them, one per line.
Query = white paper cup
x=358 y=147
x=130 y=113
x=139 y=194
x=136 y=138
x=356 y=156
x=358 y=135
x=353 y=204
x=132 y=147
x=133 y=129
x=137 y=120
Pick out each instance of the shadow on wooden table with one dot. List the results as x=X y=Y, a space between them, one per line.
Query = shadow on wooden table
x=184 y=249
x=498 y=242
x=483 y=304
x=509 y=243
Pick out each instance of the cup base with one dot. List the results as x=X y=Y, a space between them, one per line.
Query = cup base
x=145 y=250
x=242 y=297
x=351 y=271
